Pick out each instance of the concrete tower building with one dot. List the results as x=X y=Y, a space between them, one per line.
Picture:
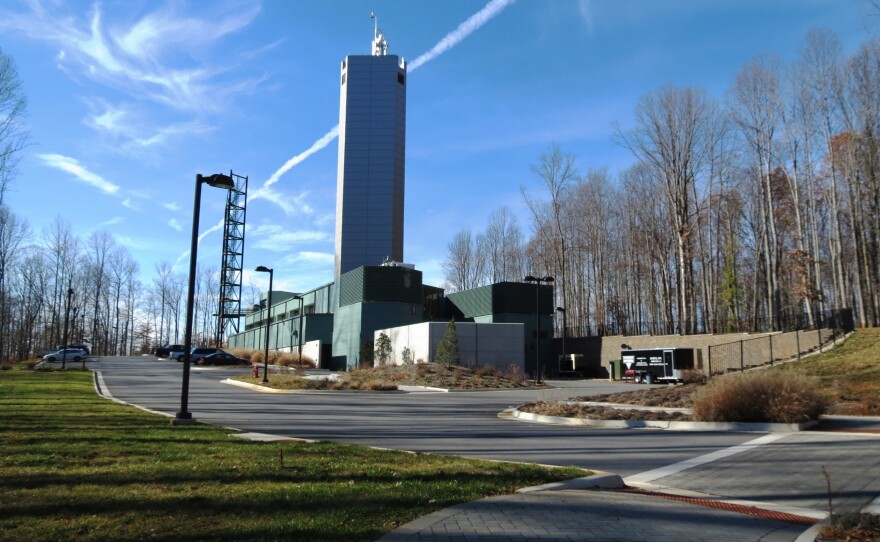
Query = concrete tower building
x=370 y=174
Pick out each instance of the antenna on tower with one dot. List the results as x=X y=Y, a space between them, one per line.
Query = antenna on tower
x=380 y=46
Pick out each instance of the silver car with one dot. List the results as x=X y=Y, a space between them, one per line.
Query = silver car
x=75 y=354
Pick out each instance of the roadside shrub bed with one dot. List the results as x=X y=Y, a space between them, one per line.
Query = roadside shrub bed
x=852 y=528
x=297 y=382
x=759 y=396
x=283 y=359
x=669 y=396
x=571 y=410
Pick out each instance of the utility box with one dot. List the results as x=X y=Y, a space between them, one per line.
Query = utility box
x=659 y=364
x=615 y=371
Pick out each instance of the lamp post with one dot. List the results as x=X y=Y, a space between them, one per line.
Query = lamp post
x=538 y=281
x=66 y=321
x=218 y=180
x=264 y=269
x=562 y=310
x=299 y=336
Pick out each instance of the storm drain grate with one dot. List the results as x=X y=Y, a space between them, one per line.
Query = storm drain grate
x=730 y=507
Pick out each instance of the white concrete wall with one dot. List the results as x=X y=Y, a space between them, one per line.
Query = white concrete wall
x=311 y=349
x=499 y=345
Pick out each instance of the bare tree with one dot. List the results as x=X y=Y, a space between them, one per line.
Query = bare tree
x=503 y=242
x=465 y=265
x=13 y=134
x=98 y=249
x=13 y=232
x=673 y=137
x=556 y=169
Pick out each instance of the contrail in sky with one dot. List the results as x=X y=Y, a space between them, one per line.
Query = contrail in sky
x=465 y=29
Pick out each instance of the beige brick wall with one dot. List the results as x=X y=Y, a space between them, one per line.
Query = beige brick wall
x=611 y=346
x=754 y=352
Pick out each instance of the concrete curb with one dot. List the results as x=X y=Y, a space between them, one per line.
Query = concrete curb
x=103 y=392
x=818 y=515
x=659 y=424
x=266 y=389
x=603 y=481
x=400 y=389
x=812 y=533
x=266 y=437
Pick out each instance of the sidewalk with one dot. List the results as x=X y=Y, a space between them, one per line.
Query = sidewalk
x=574 y=515
x=769 y=489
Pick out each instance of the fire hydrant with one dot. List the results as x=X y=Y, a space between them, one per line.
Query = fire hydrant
x=256 y=369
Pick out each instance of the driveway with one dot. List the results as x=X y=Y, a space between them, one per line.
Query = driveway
x=464 y=423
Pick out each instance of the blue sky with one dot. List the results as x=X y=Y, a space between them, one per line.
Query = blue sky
x=129 y=99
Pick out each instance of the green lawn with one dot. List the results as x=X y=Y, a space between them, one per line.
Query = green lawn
x=848 y=373
x=74 y=466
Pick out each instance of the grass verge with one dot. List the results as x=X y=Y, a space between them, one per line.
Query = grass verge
x=77 y=467
x=849 y=373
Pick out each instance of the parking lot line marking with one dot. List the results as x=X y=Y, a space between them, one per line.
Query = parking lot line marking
x=662 y=472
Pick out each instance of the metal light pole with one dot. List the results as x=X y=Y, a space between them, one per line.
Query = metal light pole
x=538 y=281
x=218 y=180
x=66 y=321
x=562 y=310
x=264 y=269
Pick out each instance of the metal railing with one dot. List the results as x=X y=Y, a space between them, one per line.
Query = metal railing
x=767 y=350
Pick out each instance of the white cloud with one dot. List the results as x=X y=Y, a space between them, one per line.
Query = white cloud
x=309 y=258
x=291 y=205
x=185 y=254
x=131 y=242
x=174 y=223
x=133 y=133
x=112 y=222
x=150 y=58
x=276 y=239
x=585 y=13
x=72 y=166
x=171 y=206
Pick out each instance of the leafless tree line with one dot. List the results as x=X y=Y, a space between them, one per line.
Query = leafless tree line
x=740 y=212
x=56 y=281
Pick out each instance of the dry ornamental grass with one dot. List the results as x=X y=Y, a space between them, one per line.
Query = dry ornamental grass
x=759 y=396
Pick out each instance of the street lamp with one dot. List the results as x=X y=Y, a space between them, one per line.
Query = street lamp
x=218 y=180
x=264 y=269
x=537 y=281
x=66 y=321
x=299 y=337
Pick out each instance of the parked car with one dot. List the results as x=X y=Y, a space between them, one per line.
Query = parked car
x=176 y=352
x=199 y=353
x=74 y=354
x=222 y=358
x=80 y=346
x=54 y=349
x=165 y=351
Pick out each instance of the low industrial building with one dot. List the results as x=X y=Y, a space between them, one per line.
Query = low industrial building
x=334 y=323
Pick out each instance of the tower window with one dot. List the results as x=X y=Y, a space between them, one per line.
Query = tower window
x=400 y=78
x=343 y=78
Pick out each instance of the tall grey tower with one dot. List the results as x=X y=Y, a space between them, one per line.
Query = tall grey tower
x=370 y=171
